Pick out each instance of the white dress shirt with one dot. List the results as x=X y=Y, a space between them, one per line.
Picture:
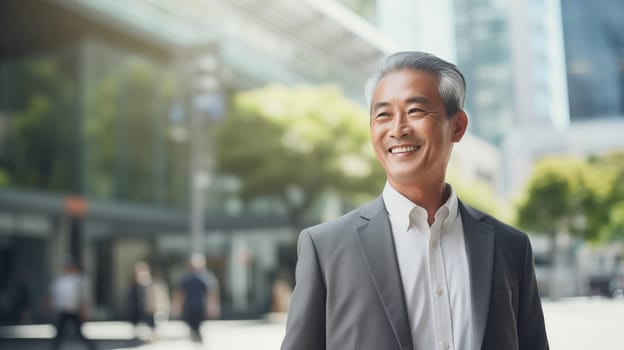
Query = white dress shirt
x=434 y=271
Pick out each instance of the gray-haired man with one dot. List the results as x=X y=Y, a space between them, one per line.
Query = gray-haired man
x=416 y=268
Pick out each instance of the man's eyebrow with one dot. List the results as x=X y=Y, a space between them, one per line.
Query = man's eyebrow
x=378 y=105
x=419 y=99
x=413 y=99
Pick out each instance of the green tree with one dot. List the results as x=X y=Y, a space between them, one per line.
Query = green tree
x=4 y=178
x=565 y=195
x=580 y=196
x=124 y=128
x=607 y=213
x=557 y=197
x=43 y=131
x=297 y=145
x=615 y=228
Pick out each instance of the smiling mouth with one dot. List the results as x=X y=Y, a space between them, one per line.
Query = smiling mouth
x=403 y=149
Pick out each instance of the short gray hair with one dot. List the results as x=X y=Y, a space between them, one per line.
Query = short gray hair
x=451 y=82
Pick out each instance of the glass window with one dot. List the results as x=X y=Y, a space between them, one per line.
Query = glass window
x=39 y=120
x=135 y=151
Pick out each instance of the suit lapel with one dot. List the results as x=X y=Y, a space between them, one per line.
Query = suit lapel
x=479 y=240
x=377 y=245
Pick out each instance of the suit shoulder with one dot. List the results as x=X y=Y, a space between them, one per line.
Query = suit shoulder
x=347 y=223
x=503 y=230
x=336 y=226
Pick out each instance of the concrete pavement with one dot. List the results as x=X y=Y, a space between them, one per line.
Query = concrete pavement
x=585 y=323
x=572 y=324
x=225 y=335
x=260 y=334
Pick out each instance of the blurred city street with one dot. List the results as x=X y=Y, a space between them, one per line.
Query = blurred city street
x=572 y=324
x=249 y=334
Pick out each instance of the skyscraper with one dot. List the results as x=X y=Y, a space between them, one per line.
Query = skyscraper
x=484 y=55
x=594 y=50
x=421 y=25
x=511 y=53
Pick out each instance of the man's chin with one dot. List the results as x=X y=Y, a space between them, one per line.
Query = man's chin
x=404 y=178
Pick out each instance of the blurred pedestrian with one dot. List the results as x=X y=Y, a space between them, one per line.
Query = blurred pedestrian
x=158 y=301
x=71 y=301
x=197 y=296
x=137 y=294
x=281 y=291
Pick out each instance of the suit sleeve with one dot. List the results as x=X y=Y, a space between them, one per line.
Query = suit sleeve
x=531 y=327
x=305 y=327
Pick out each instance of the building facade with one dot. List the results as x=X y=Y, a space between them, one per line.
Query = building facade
x=594 y=51
x=97 y=123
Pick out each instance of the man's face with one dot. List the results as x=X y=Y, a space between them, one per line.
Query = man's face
x=410 y=131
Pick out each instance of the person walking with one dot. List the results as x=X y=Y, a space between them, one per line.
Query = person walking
x=71 y=302
x=137 y=297
x=158 y=301
x=197 y=296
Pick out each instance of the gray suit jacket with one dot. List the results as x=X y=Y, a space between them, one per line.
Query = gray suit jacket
x=349 y=294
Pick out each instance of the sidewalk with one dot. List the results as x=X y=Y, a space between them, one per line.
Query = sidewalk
x=571 y=324
x=264 y=334
x=260 y=334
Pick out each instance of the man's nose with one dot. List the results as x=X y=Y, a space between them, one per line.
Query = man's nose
x=400 y=126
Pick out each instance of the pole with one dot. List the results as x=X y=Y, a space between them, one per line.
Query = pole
x=198 y=185
x=201 y=65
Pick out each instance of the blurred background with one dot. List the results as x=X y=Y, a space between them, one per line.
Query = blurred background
x=147 y=130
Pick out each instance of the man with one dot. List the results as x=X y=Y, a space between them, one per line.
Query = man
x=416 y=268
x=137 y=296
x=197 y=296
x=71 y=301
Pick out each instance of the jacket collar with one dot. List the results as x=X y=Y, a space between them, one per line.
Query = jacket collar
x=374 y=236
x=479 y=240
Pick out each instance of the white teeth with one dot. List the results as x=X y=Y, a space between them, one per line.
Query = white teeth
x=403 y=149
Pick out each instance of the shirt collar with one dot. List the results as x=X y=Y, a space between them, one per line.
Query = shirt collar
x=450 y=208
x=400 y=208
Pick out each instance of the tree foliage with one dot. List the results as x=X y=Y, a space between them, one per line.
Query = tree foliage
x=97 y=128
x=42 y=133
x=297 y=144
x=584 y=197
x=608 y=215
x=123 y=128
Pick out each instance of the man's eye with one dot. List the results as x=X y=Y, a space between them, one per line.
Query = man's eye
x=382 y=115
x=417 y=113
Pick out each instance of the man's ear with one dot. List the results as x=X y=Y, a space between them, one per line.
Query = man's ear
x=460 y=124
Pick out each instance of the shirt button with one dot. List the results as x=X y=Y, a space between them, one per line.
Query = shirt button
x=439 y=291
x=434 y=243
x=445 y=345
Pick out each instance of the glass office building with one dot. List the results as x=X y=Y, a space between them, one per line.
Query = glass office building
x=95 y=135
x=483 y=37
x=594 y=50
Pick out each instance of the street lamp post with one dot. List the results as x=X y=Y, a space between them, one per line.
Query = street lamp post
x=204 y=104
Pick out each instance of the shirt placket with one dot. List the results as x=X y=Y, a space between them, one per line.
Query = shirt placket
x=441 y=301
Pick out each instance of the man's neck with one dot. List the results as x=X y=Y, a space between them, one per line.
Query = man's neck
x=430 y=196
